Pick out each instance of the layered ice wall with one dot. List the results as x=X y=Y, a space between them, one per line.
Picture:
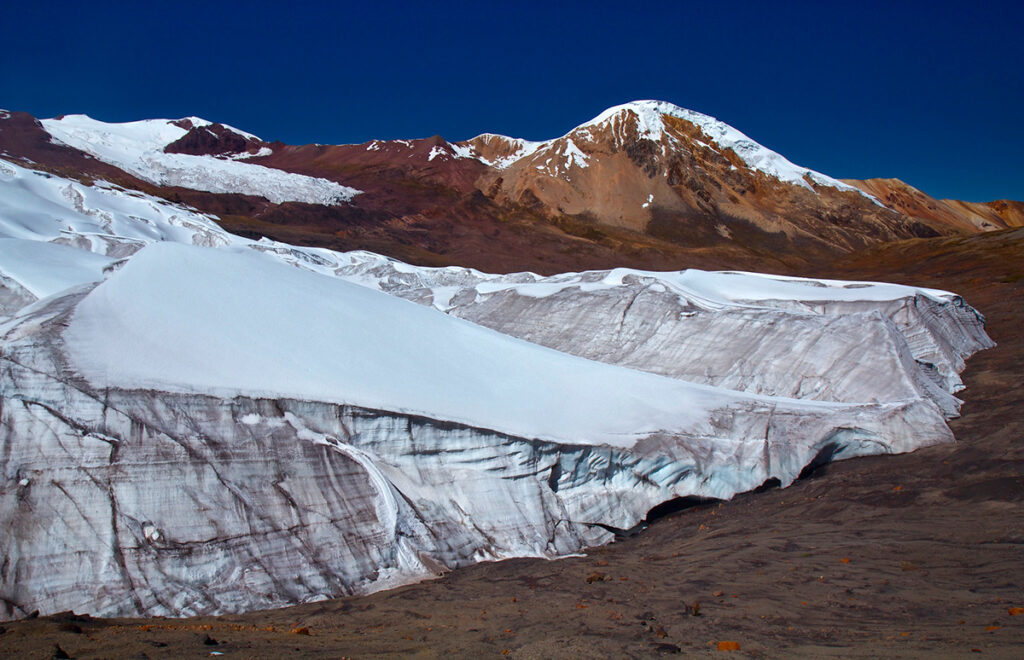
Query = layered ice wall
x=193 y=422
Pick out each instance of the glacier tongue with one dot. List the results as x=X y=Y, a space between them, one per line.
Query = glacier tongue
x=145 y=502
x=193 y=422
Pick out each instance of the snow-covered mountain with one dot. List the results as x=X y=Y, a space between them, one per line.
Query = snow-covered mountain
x=645 y=184
x=654 y=121
x=193 y=421
x=685 y=177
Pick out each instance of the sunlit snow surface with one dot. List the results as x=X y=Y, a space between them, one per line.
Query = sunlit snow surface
x=138 y=148
x=287 y=417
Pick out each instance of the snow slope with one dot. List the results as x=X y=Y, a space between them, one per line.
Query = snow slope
x=138 y=148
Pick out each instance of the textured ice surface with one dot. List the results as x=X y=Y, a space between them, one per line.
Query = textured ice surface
x=810 y=339
x=193 y=422
x=140 y=500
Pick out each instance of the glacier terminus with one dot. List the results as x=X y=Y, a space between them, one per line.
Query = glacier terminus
x=193 y=422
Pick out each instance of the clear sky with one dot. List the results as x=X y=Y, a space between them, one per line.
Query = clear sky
x=929 y=92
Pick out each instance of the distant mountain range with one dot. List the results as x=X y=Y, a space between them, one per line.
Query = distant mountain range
x=645 y=184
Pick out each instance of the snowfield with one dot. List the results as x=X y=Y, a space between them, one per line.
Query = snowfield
x=138 y=148
x=194 y=422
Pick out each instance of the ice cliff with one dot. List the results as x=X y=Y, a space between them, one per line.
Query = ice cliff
x=194 y=422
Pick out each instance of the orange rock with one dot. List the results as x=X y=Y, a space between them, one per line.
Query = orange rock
x=991 y=628
x=844 y=560
x=728 y=646
x=1014 y=611
x=299 y=631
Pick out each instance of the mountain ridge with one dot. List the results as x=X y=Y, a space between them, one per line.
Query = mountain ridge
x=643 y=184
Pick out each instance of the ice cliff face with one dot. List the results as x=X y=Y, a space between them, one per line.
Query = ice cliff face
x=191 y=422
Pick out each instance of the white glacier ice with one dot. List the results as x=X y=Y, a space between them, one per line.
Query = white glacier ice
x=138 y=148
x=194 y=422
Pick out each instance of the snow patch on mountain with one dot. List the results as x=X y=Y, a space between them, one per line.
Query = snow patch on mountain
x=517 y=148
x=138 y=148
x=262 y=152
x=573 y=155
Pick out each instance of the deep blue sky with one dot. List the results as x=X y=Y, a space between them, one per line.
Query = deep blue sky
x=931 y=93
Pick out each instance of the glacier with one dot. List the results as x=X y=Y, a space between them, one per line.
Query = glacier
x=192 y=422
x=138 y=148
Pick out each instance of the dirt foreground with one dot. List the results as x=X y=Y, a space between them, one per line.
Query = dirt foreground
x=919 y=555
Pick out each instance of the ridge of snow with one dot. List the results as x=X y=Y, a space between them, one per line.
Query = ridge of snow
x=707 y=289
x=45 y=269
x=138 y=148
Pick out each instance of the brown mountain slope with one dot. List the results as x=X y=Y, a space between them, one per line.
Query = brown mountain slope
x=964 y=217
x=645 y=169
